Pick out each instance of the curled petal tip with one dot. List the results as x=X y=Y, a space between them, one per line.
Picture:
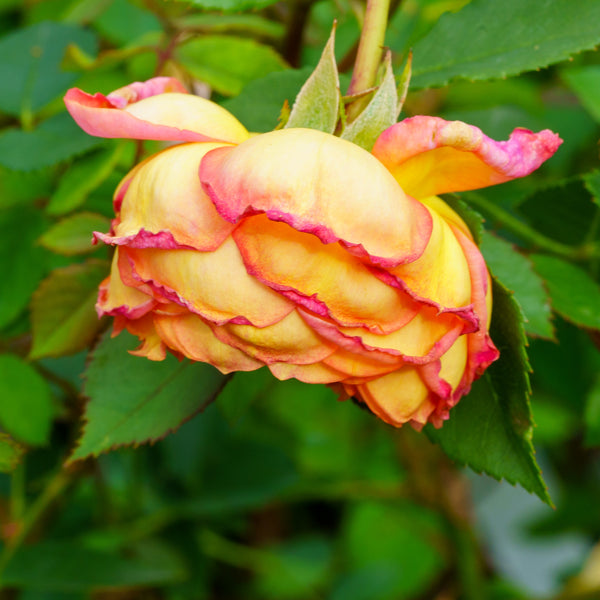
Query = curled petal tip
x=430 y=156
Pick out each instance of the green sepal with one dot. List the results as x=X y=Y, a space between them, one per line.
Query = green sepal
x=381 y=112
x=317 y=106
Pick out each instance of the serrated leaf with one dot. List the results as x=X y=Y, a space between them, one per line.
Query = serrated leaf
x=133 y=400
x=317 y=105
x=63 y=317
x=26 y=403
x=230 y=5
x=11 y=453
x=73 y=235
x=23 y=262
x=517 y=274
x=573 y=293
x=563 y=212
x=17 y=187
x=585 y=82
x=82 y=178
x=490 y=429
x=228 y=63
x=30 y=60
x=592 y=415
x=55 y=140
x=378 y=115
x=489 y=39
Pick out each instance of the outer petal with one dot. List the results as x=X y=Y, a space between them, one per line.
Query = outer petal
x=214 y=285
x=323 y=278
x=152 y=346
x=190 y=336
x=164 y=205
x=316 y=373
x=430 y=156
x=158 y=109
x=319 y=184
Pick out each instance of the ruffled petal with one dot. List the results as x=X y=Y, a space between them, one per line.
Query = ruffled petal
x=152 y=346
x=315 y=373
x=290 y=340
x=214 y=285
x=115 y=298
x=190 y=336
x=399 y=397
x=319 y=184
x=323 y=278
x=164 y=205
x=425 y=338
x=430 y=156
x=440 y=277
x=158 y=109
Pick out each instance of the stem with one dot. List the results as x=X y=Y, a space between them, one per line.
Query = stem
x=578 y=253
x=36 y=511
x=369 y=53
x=292 y=44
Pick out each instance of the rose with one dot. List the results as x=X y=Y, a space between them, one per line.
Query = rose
x=303 y=252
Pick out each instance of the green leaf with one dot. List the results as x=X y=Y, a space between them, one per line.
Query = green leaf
x=489 y=39
x=573 y=293
x=378 y=115
x=55 y=140
x=260 y=102
x=517 y=274
x=228 y=63
x=23 y=263
x=11 y=453
x=17 y=187
x=82 y=178
x=69 y=566
x=247 y=24
x=496 y=415
x=592 y=415
x=73 y=235
x=30 y=59
x=585 y=82
x=133 y=400
x=26 y=409
x=563 y=212
x=63 y=317
x=230 y=5
x=124 y=22
x=318 y=103
x=242 y=390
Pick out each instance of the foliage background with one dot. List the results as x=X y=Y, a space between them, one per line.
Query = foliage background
x=276 y=491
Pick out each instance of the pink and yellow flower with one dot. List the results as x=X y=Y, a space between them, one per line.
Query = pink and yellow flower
x=302 y=252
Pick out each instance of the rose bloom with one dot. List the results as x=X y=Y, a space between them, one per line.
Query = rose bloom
x=302 y=252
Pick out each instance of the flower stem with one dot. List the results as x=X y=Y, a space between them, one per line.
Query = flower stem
x=369 y=54
x=583 y=252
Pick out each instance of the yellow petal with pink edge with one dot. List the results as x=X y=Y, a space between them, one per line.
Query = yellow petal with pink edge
x=430 y=156
x=315 y=373
x=290 y=340
x=399 y=397
x=190 y=336
x=426 y=337
x=214 y=285
x=152 y=346
x=116 y=298
x=164 y=205
x=369 y=365
x=441 y=275
x=323 y=278
x=319 y=184
x=158 y=109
